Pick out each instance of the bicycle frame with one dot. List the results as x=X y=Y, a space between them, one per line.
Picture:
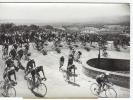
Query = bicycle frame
x=7 y=85
x=37 y=81
x=105 y=87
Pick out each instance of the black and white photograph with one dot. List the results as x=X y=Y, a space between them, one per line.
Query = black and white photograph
x=65 y=50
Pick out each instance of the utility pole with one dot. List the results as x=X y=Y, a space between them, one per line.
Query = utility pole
x=99 y=45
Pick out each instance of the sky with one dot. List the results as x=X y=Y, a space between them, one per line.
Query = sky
x=63 y=13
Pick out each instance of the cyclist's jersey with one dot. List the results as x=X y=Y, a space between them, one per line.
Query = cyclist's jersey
x=9 y=63
x=101 y=78
x=62 y=59
x=30 y=64
x=20 y=52
x=5 y=46
x=13 y=53
x=36 y=70
x=70 y=60
x=39 y=68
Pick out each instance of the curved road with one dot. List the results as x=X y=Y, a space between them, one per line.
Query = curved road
x=56 y=84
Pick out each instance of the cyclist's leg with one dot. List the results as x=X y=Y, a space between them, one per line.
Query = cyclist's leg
x=103 y=85
x=61 y=64
x=6 y=51
x=5 y=80
x=10 y=74
x=40 y=69
x=99 y=85
x=67 y=72
x=33 y=77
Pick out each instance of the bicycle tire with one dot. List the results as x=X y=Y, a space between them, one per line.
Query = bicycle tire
x=11 y=92
x=94 y=88
x=111 y=93
x=42 y=89
x=29 y=83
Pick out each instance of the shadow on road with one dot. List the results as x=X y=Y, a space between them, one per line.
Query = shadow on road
x=36 y=94
x=73 y=83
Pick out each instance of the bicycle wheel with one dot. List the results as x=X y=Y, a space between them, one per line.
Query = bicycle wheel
x=11 y=92
x=110 y=93
x=41 y=89
x=29 y=82
x=94 y=88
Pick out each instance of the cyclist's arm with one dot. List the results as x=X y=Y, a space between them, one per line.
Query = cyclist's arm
x=106 y=80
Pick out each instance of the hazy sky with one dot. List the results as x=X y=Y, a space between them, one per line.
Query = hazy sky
x=45 y=12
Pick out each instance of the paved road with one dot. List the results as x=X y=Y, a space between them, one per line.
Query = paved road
x=56 y=84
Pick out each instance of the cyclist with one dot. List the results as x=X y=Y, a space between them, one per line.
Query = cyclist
x=9 y=71
x=61 y=61
x=70 y=65
x=8 y=79
x=13 y=52
x=10 y=64
x=31 y=68
x=30 y=65
x=78 y=55
x=20 y=54
x=26 y=49
x=101 y=80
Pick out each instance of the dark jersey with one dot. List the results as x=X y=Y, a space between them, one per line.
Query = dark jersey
x=9 y=63
x=13 y=52
x=20 y=52
x=70 y=60
x=30 y=64
x=62 y=59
